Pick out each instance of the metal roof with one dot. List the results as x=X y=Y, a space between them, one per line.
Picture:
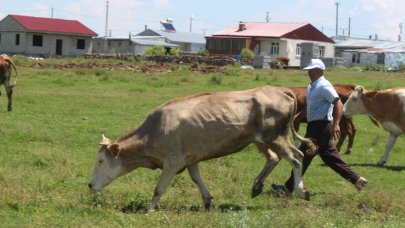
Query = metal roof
x=272 y=29
x=291 y=30
x=180 y=37
x=53 y=25
x=153 y=43
x=360 y=43
x=372 y=46
x=141 y=41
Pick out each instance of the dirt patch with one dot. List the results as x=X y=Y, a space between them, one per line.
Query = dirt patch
x=206 y=69
x=154 y=68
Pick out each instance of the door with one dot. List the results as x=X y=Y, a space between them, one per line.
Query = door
x=58 y=47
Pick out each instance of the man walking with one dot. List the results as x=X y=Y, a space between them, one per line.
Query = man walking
x=324 y=111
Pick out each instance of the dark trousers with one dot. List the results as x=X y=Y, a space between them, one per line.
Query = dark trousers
x=321 y=133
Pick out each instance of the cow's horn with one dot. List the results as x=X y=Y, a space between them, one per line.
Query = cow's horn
x=104 y=140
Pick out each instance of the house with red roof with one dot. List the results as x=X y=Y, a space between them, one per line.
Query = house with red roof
x=46 y=37
x=274 y=39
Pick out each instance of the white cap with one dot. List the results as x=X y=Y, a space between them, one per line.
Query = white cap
x=315 y=63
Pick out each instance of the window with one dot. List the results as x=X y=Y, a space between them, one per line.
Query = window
x=321 y=51
x=356 y=58
x=0 y=37
x=275 y=49
x=17 y=39
x=80 y=44
x=298 y=50
x=226 y=45
x=37 y=40
x=380 y=58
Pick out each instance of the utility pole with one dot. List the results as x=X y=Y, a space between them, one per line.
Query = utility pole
x=348 y=33
x=267 y=17
x=337 y=18
x=106 y=20
x=106 y=28
x=400 y=31
x=191 y=22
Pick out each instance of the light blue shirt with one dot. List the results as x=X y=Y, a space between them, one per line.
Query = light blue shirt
x=320 y=96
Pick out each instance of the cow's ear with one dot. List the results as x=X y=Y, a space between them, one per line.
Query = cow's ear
x=114 y=149
x=104 y=141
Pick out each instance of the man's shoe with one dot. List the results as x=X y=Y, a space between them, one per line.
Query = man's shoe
x=281 y=189
x=360 y=183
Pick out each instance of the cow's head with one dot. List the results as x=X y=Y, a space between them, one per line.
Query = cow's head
x=354 y=104
x=108 y=165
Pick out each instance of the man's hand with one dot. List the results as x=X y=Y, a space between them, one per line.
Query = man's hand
x=336 y=131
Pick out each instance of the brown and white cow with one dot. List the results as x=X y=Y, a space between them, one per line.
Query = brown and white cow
x=5 y=76
x=182 y=132
x=385 y=107
x=347 y=127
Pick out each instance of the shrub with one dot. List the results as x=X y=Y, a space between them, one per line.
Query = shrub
x=203 y=52
x=174 y=52
x=247 y=54
x=156 y=50
x=374 y=67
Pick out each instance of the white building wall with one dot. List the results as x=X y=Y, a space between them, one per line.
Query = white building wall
x=287 y=48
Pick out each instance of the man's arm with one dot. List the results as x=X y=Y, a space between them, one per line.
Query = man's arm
x=337 y=115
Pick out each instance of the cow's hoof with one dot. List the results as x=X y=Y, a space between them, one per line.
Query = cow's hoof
x=10 y=109
x=381 y=164
x=143 y=210
x=207 y=204
x=257 y=189
x=348 y=151
x=307 y=195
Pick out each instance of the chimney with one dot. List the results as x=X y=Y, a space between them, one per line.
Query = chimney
x=242 y=26
x=146 y=27
x=375 y=36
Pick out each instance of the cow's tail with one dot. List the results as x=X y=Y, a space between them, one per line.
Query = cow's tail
x=9 y=61
x=311 y=146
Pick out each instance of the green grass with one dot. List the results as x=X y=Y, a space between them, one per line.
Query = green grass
x=49 y=142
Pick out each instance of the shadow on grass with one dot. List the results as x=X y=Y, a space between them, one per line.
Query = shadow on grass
x=389 y=167
x=136 y=207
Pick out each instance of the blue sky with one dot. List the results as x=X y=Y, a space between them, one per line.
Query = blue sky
x=368 y=17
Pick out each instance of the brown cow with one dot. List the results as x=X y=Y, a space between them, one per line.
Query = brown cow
x=181 y=133
x=5 y=76
x=385 y=108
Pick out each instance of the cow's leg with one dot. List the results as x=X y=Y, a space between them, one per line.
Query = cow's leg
x=271 y=162
x=341 y=140
x=168 y=172
x=390 y=143
x=351 y=135
x=294 y=156
x=9 y=90
x=194 y=172
x=351 y=132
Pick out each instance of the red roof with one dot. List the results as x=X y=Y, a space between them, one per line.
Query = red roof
x=303 y=31
x=42 y=24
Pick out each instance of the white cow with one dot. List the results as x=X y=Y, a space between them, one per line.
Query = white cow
x=385 y=107
x=182 y=132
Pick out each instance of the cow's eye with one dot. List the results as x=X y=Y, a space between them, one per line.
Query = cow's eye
x=100 y=162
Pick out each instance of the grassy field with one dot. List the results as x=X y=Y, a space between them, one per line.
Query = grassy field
x=49 y=143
